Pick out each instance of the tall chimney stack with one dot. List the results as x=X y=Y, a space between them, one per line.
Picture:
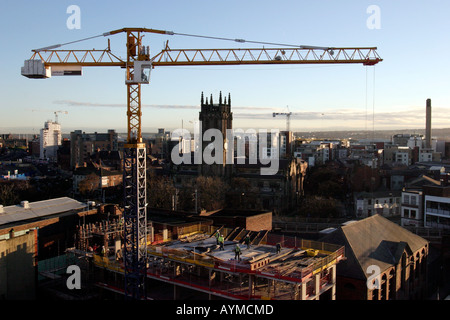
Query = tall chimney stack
x=428 y=125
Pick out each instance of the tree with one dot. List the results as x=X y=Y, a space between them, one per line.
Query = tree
x=8 y=196
x=318 y=207
x=211 y=192
x=160 y=191
x=325 y=182
x=186 y=198
x=240 y=184
x=242 y=195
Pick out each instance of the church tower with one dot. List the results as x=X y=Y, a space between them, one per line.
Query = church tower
x=216 y=116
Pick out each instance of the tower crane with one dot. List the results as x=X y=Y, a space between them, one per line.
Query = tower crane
x=56 y=114
x=52 y=61
x=288 y=118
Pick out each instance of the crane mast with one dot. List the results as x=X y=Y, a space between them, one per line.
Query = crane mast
x=49 y=61
x=134 y=177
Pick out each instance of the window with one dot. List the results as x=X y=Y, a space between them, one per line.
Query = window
x=406 y=213
x=413 y=200
x=406 y=199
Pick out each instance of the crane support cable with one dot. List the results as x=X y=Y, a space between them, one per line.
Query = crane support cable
x=249 y=41
x=171 y=33
x=66 y=43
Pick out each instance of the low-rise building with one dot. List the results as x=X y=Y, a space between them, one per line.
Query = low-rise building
x=83 y=145
x=385 y=203
x=98 y=178
x=384 y=261
x=412 y=200
x=54 y=218
x=412 y=208
x=437 y=204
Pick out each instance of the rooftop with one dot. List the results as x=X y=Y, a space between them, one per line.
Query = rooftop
x=39 y=209
x=373 y=241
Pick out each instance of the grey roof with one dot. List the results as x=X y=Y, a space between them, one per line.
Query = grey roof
x=373 y=241
x=38 y=209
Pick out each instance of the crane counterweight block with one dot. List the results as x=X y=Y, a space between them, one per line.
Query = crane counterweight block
x=35 y=69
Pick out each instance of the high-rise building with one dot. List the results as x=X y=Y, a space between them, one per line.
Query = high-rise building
x=50 y=140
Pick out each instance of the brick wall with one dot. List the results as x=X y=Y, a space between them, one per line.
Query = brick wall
x=350 y=289
x=259 y=222
x=255 y=222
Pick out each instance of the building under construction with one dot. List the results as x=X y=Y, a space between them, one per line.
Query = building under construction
x=185 y=261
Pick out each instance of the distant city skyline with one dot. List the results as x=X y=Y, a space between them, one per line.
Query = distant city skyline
x=404 y=120
x=390 y=95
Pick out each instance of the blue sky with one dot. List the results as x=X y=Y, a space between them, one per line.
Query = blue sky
x=412 y=40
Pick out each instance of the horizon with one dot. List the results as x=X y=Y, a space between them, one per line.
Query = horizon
x=155 y=131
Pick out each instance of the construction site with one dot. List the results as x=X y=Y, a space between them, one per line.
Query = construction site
x=272 y=266
x=186 y=262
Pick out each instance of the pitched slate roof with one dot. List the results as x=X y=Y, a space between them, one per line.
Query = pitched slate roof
x=372 y=241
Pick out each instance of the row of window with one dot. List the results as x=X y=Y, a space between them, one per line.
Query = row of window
x=381 y=211
x=391 y=201
x=412 y=214
x=407 y=199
